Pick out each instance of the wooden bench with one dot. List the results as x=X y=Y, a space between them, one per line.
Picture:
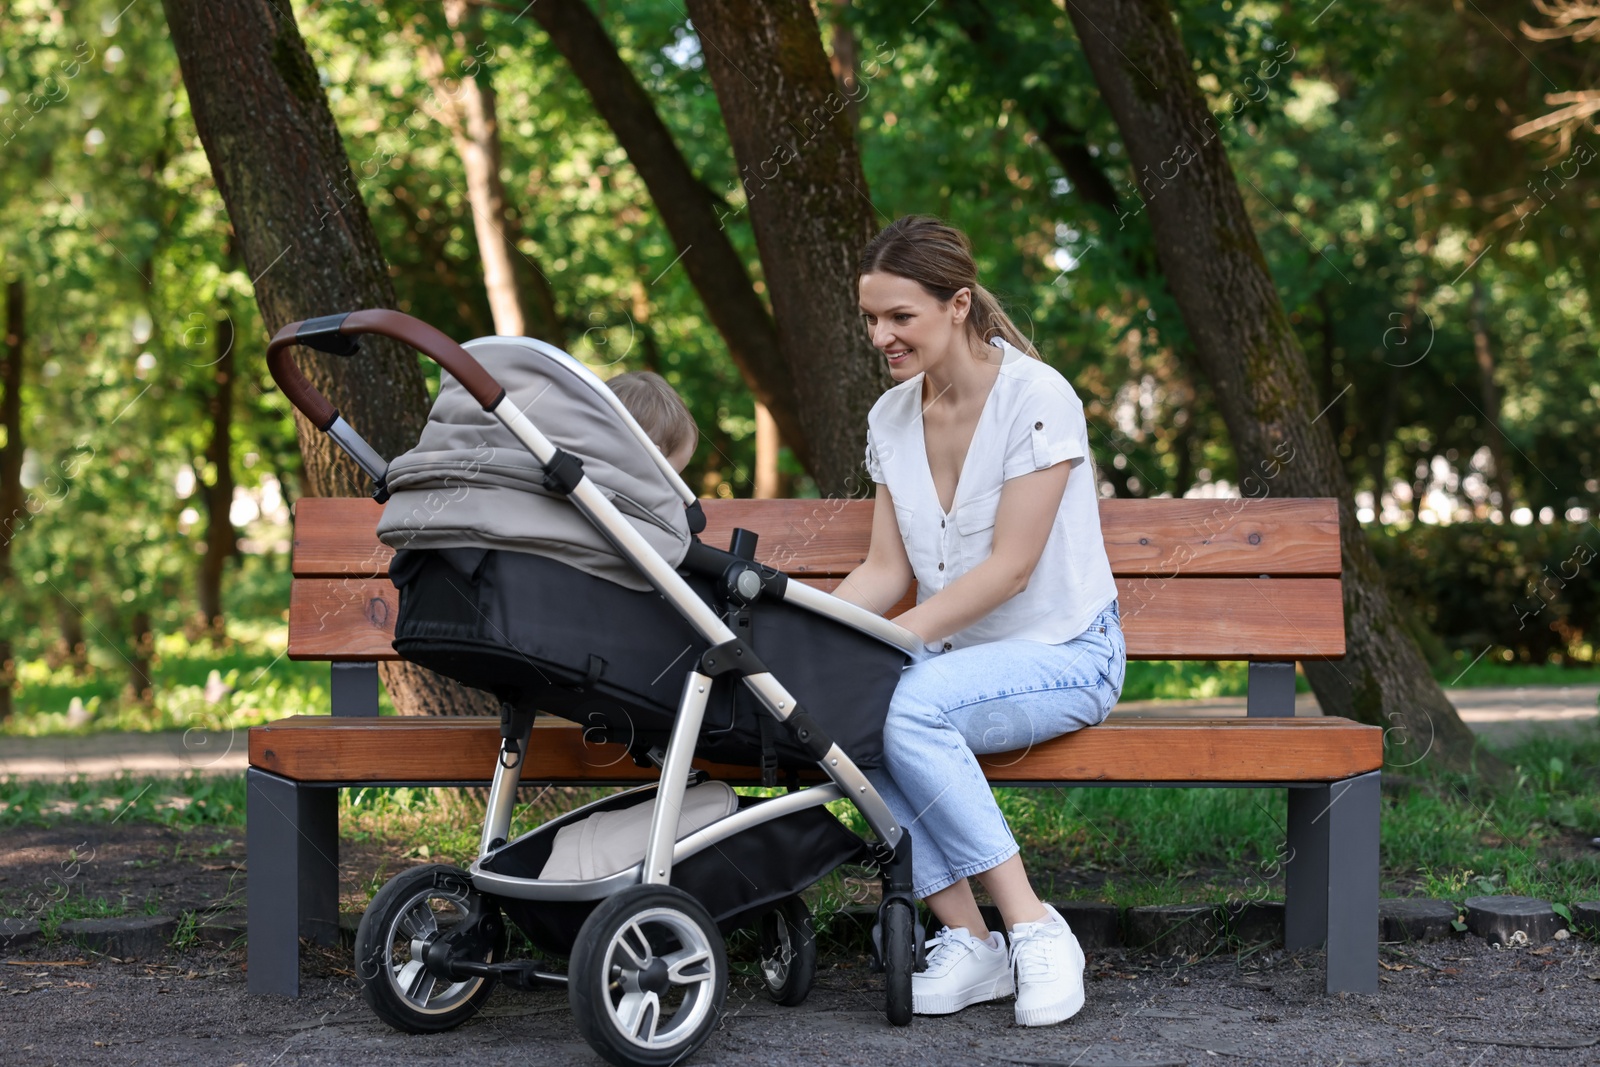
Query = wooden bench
x=1254 y=580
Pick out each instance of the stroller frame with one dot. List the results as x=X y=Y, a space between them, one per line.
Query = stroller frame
x=457 y=955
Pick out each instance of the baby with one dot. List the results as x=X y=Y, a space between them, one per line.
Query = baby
x=661 y=412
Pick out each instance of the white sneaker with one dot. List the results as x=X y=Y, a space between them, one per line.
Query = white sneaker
x=1049 y=966
x=961 y=970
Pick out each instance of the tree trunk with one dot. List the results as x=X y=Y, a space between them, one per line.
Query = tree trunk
x=811 y=215
x=693 y=215
x=649 y=346
x=520 y=297
x=1243 y=341
x=843 y=62
x=303 y=230
x=72 y=649
x=141 y=653
x=767 y=443
x=217 y=495
x=1500 y=478
x=1330 y=393
x=11 y=496
x=1184 y=444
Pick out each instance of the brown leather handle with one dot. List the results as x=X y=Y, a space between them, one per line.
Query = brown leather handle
x=414 y=332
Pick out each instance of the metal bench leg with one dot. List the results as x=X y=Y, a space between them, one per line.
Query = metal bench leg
x=1331 y=880
x=292 y=850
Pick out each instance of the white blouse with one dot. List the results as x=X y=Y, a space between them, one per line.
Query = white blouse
x=1031 y=420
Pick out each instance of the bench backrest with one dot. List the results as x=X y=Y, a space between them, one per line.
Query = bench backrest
x=1217 y=579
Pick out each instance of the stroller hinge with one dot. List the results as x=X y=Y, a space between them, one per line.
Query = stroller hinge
x=563 y=473
x=514 y=723
x=734 y=656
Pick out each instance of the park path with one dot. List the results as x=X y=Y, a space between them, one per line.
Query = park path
x=1499 y=713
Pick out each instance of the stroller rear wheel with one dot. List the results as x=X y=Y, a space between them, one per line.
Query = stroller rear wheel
x=414 y=910
x=649 y=976
x=788 y=952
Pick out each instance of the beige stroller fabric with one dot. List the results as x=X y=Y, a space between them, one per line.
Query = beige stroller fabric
x=470 y=484
x=611 y=841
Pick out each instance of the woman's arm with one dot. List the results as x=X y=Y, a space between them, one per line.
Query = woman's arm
x=1028 y=506
x=880 y=582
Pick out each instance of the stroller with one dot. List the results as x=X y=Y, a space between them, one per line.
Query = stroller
x=557 y=566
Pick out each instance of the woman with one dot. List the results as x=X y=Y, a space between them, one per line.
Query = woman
x=986 y=496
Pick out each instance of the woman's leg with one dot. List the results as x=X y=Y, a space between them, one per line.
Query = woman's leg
x=998 y=697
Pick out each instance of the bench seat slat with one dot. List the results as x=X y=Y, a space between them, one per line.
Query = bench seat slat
x=312 y=748
x=350 y=619
x=1235 y=537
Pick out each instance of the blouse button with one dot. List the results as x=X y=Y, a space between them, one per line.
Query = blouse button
x=1038 y=426
x=941 y=566
x=947 y=646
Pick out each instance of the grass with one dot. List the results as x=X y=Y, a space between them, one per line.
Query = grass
x=51 y=913
x=193 y=800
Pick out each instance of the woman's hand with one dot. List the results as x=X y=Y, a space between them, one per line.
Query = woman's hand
x=885 y=575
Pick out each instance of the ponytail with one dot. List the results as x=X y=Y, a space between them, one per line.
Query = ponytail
x=989 y=320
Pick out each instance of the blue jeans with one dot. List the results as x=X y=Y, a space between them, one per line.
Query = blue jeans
x=998 y=697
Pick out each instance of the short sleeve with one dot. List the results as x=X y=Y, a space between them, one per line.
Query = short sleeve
x=1048 y=428
x=874 y=468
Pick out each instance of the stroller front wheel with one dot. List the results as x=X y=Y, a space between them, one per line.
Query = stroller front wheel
x=649 y=976
x=416 y=909
x=899 y=958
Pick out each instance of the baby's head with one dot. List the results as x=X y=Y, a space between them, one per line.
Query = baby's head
x=660 y=411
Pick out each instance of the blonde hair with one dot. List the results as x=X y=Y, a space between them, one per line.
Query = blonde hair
x=938 y=257
x=657 y=408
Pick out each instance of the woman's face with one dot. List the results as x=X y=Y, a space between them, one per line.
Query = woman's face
x=912 y=329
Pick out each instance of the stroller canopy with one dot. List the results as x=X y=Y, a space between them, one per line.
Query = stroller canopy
x=470 y=484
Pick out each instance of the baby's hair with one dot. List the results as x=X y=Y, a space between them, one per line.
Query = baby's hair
x=657 y=408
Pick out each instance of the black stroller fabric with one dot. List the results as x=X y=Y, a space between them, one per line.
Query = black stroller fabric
x=541 y=634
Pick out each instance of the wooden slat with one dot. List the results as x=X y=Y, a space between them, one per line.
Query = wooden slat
x=1216 y=618
x=457 y=749
x=1190 y=618
x=421 y=749
x=342 y=619
x=1221 y=538
x=1166 y=538
x=1232 y=618
x=828 y=538
x=335 y=537
x=1197 y=750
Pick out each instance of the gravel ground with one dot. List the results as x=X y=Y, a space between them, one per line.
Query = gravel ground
x=1456 y=1002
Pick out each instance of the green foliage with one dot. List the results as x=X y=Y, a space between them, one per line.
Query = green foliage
x=1531 y=593
x=192 y=800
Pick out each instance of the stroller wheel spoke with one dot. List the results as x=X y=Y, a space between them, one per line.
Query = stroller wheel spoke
x=419 y=921
x=635 y=945
x=409 y=976
x=641 y=1015
x=688 y=967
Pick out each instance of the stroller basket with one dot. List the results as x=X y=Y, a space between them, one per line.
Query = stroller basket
x=737 y=879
